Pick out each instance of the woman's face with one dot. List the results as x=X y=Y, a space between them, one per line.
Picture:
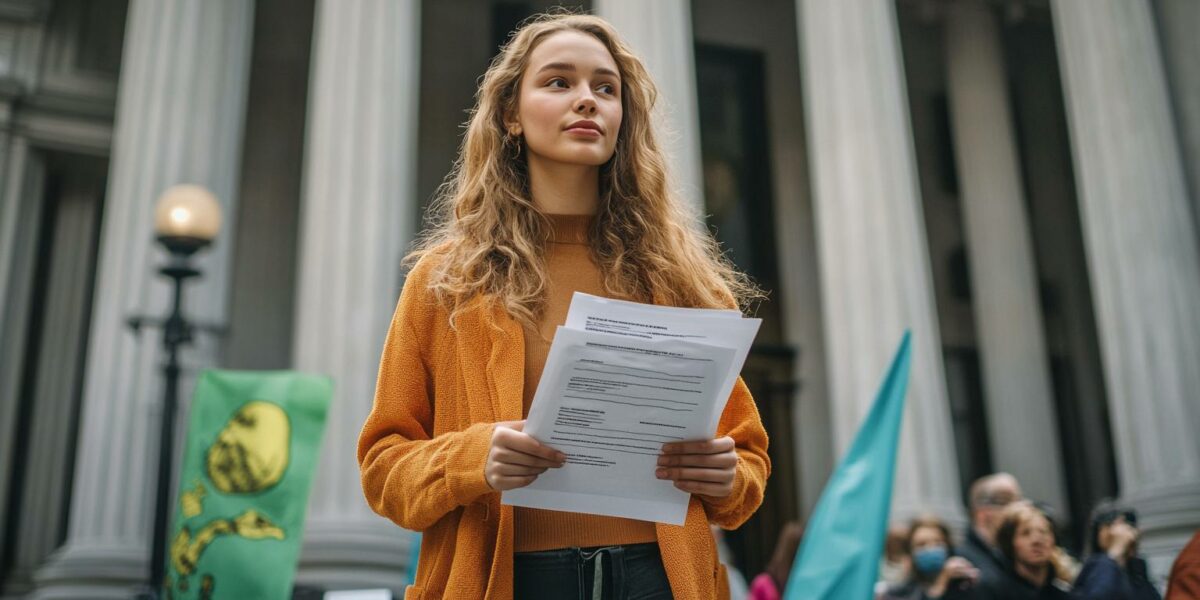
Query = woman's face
x=570 y=79
x=1105 y=537
x=1033 y=541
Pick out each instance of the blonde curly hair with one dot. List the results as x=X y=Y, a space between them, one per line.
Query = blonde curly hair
x=488 y=237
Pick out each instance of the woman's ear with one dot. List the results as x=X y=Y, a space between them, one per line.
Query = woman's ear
x=512 y=127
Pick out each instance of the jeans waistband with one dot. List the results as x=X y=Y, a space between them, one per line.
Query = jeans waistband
x=582 y=555
x=601 y=571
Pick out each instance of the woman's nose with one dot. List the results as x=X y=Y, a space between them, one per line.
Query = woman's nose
x=587 y=103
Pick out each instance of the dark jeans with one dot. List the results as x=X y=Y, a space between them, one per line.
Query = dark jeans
x=631 y=572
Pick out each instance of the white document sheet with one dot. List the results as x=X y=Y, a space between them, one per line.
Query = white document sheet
x=648 y=321
x=610 y=399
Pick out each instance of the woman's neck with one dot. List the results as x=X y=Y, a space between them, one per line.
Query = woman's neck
x=1035 y=574
x=564 y=189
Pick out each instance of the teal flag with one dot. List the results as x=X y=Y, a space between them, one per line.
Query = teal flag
x=252 y=444
x=839 y=559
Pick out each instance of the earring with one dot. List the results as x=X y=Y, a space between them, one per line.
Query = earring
x=516 y=144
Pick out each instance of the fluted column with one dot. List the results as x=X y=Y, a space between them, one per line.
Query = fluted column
x=660 y=32
x=1180 y=47
x=1022 y=421
x=875 y=274
x=179 y=119
x=359 y=212
x=1142 y=257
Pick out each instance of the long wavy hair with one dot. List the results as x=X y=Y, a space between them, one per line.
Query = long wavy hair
x=1017 y=514
x=489 y=238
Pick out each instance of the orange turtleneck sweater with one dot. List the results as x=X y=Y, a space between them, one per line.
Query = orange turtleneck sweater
x=570 y=269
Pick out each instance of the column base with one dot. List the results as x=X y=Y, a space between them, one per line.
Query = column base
x=357 y=555
x=76 y=572
x=1168 y=517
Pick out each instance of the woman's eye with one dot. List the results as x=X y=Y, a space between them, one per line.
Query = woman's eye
x=609 y=88
x=556 y=80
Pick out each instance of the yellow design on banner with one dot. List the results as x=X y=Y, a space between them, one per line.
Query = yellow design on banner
x=251 y=452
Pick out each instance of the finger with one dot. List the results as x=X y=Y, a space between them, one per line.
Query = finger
x=722 y=476
x=512 y=483
x=703 y=488
x=524 y=443
x=721 y=444
x=725 y=460
x=507 y=470
x=512 y=457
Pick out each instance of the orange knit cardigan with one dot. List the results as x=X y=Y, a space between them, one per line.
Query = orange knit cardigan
x=423 y=448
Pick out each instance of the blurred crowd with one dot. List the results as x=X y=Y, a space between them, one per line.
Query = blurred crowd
x=1010 y=551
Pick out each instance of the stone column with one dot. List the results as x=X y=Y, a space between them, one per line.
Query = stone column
x=359 y=212
x=1022 y=421
x=660 y=32
x=179 y=119
x=875 y=273
x=1178 y=20
x=1142 y=257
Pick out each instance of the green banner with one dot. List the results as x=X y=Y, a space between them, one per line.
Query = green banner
x=252 y=445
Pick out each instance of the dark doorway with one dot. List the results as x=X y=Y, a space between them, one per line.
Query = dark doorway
x=1071 y=338
x=738 y=197
x=52 y=369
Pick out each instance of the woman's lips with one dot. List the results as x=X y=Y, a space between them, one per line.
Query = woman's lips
x=584 y=131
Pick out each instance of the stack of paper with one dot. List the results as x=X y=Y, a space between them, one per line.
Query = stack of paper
x=621 y=380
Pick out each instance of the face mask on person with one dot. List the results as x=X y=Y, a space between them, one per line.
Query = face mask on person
x=929 y=561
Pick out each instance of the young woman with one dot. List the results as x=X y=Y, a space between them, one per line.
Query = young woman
x=1036 y=570
x=560 y=186
x=934 y=570
x=1114 y=569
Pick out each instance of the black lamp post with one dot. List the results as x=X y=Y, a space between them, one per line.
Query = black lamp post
x=187 y=219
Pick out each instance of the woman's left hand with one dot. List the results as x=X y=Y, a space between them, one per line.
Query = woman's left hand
x=705 y=468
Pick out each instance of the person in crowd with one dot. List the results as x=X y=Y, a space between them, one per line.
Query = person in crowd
x=1184 y=583
x=935 y=572
x=894 y=568
x=988 y=498
x=1035 y=570
x=770 y=584
x=1114 y=571
x=560 y=186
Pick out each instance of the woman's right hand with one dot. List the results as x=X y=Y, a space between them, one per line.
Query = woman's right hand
x=957 y=568
x=1122 y=541
x=515 y=459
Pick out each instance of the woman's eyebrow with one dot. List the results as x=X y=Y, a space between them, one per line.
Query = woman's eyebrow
x=565 y=66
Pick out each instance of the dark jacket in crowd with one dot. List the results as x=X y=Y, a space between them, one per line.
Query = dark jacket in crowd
x=1010 y=586
x=990 y=562
x=913 y=591
x=1103 y=579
